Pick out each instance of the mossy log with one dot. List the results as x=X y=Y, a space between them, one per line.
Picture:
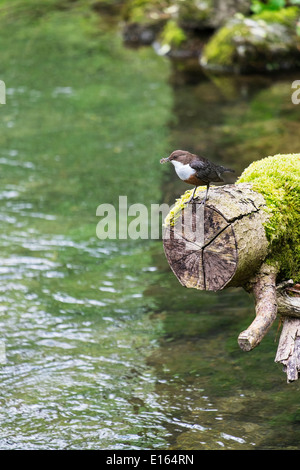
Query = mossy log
x=246 y=235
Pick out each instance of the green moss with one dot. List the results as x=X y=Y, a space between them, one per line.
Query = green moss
x=172 y=34
x=277 y=178
x=259 y=34
x=220 y=49
x=179 y=205
x=284 y=16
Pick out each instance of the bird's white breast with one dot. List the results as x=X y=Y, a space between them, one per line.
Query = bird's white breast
x=183 y=171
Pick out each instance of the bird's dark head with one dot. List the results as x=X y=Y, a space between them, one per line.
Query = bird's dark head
x=178 y=155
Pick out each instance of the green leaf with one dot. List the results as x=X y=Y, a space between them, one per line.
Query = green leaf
x=272 y=5
x=276 y=4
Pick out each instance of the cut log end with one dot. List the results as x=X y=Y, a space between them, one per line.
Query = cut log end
x=201 y=248
x=220 y=244
x=248 y=341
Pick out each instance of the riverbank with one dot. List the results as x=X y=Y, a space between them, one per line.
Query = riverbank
x=236 y=37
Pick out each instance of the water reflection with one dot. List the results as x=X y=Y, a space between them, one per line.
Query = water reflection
x=225 y=398
x=104 y=349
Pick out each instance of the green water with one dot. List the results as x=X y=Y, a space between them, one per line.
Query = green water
x=104 y=349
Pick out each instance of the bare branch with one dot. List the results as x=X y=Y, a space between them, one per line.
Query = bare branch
x=264 y=290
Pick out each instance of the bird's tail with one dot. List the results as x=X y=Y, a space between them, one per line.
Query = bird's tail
x=227 y=169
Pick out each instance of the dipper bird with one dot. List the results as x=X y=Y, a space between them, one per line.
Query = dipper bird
x=195 y=170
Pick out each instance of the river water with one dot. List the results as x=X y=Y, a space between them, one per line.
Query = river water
x=101 y=348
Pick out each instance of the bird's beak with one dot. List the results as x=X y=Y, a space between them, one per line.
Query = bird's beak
x=164 y=160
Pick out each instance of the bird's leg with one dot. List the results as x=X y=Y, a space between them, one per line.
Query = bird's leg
x=192 y=197
x=206 y=194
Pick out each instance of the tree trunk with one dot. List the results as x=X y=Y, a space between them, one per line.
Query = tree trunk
x=223 y=244
x=263 y=286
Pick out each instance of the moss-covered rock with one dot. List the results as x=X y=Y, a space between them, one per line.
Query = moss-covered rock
x=145 y=11
x=173 y=19
x=192 y=13
x=195 y=14
x=267 y=41
x=172 y=35
x=277 y=178
x=209 y=13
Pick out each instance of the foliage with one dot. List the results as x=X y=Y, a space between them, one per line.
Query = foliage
x=271 y=5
